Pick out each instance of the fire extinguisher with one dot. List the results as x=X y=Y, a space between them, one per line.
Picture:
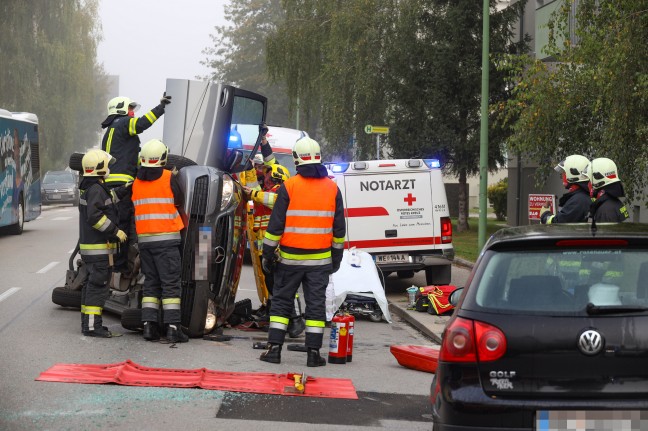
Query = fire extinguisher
x=339 y=338
x=350 y=321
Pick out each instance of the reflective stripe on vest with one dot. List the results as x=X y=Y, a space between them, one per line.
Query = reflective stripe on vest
x=155 y=212
x=309 y=218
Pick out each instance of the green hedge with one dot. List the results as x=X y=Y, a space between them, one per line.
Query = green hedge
x=497 y=197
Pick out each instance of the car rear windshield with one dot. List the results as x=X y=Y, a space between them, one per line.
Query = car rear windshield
x=562 y=281
x=58 y=177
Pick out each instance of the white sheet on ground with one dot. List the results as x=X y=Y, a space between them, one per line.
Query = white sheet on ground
x=361 y=278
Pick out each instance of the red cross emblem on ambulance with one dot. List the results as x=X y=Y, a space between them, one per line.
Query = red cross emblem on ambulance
x=409 y=199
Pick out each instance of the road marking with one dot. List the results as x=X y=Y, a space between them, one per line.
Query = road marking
x=47 y=268
x=61 y=218
x=8 y=293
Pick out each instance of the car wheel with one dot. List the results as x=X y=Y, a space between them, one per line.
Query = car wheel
x=131 y=319
x=438 y=275
x=66 y=297
x=17 y=229
x=178 y=162
x=376 y=316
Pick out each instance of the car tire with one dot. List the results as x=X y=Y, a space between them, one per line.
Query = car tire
x=131 y=319
x=17 y=229
x=66 y=297
x=438 y=275
x=178 y=162
x=376 y=316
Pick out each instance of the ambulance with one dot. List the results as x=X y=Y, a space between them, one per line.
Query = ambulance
x=397 y=211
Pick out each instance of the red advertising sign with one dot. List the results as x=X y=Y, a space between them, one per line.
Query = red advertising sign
x=537 y=201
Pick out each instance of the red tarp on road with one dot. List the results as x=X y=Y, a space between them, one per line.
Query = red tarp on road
x=129 y=373
x=422 y=358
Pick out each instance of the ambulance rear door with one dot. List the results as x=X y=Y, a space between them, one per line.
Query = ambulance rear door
x=389 y=208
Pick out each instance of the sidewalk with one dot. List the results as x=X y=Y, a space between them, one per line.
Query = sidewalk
x=429 y=325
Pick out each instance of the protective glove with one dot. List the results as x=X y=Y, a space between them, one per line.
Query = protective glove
x=121 y=235
x=544 y=210
x=165 y=100
x=263 y=129
x=268 y=265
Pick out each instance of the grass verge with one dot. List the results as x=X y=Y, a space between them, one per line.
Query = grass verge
x=465 y=243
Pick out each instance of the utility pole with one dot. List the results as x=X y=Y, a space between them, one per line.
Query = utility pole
x=483 y=141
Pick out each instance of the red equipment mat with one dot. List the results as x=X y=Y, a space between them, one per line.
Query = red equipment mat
x=129 y=373
x=421 y=358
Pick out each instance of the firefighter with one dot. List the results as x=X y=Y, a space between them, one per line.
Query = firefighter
x=98 y=236
x=121 y=141
x=156 y=196
x=575 y=203
x=607 y=190
x=307 y=224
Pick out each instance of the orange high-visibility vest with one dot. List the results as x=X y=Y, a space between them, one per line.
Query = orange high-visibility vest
x=155 y=212
x=309 y=218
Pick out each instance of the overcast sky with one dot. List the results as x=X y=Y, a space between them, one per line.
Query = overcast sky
x=147 y=41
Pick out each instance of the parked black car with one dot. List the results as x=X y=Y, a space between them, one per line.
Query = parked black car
x=60 y=187
x=552 y=325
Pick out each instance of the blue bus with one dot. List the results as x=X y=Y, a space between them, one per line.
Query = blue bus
x=20 y=194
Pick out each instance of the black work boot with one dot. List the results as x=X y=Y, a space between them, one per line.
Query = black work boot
x=174 y=334
x=314 y=359
x=151 y=331
x=273 y=354
x=97 y=330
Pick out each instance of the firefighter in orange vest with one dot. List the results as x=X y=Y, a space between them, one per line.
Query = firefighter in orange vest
x=307 y=224
x=156 y=196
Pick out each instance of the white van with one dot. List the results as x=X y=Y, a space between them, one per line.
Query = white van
x=397 y=211
x=281 y=139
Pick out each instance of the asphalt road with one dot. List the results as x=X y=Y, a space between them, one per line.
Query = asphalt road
x=36 y=334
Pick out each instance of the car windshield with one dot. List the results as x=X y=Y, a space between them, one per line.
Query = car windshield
x=564 y=281
x=58 y=177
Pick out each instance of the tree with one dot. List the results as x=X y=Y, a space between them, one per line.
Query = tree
x=593 y=98
x=238 y=55
x=444 y=70
x=48 y=51
x=413 y=65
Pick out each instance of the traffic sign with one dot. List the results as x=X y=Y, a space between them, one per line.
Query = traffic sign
x=369 y=129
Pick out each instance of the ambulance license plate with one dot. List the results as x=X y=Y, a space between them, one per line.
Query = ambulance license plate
x=392 y=258
x=55 y=197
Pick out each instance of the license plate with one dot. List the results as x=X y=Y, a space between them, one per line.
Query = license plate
x=55 y=196
x=600 y=420
x=392 y=258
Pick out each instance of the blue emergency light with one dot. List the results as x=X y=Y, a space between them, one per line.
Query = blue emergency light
x=235 y=140
x=338 y=168
x=432 y=163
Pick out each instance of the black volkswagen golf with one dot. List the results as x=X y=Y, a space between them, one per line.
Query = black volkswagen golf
x=550 y=332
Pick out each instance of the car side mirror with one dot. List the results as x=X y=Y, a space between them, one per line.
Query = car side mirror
x=236 y=161
x=455 y=295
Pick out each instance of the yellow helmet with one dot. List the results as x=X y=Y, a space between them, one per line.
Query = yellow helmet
x=119 y=105
x=279 y=174
x=306 y=151
x=96 y=163
x=154 y=154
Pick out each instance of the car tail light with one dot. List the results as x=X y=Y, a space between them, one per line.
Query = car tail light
x=491 y=342
x=446 y=230
x=468 y=341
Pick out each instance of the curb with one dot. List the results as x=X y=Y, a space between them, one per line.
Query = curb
x=463 y=262
x=403 y=314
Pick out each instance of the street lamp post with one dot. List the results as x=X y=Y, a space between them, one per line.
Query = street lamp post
x=483 y=141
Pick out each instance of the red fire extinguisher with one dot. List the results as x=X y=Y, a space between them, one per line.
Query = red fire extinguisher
x=350 y=321
x=339 y=337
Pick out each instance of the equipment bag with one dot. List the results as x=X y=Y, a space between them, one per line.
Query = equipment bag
x=439 y=298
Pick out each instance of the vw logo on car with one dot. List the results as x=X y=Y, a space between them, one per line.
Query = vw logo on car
x=590 y=342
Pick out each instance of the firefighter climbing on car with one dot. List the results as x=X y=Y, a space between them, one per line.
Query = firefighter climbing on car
x=261 y=185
